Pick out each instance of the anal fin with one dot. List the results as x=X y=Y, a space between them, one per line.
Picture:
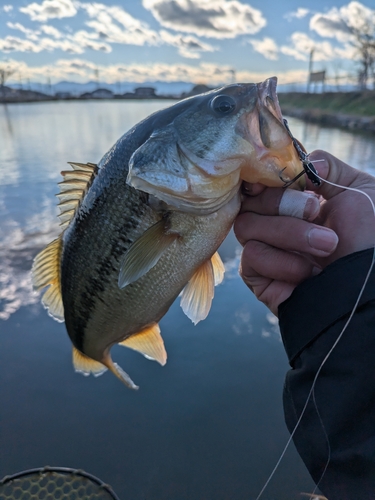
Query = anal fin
x=148 y=342
x=197 y=295
x=85 y=365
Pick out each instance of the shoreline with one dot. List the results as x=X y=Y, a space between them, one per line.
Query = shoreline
x=70 y=99
x=341 y=120
x=353 y=111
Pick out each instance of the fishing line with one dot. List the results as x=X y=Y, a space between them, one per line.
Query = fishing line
x=311 y=392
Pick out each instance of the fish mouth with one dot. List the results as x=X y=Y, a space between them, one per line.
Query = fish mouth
x=274 y=160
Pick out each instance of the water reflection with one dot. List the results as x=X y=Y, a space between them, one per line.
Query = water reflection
x=207 y=425
x=355 y=149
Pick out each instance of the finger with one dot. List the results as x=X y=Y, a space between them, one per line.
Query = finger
x=270 y=292
x=334 y=170
x=278 y=201
x=253 y=189
x=260 y=259
x=286 y=233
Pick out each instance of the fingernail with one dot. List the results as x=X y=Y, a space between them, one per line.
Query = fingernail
x=323 y=239
x=312 y=207
x=316 y=270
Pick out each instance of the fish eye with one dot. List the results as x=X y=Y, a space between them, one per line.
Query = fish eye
x=223 y=104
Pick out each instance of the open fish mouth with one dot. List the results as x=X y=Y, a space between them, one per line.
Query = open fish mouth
x=274 y=160
x=197 y=162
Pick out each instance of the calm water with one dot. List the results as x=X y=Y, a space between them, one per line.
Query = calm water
x=209 y=425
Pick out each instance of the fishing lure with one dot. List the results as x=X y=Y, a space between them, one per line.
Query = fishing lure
x=308 y=167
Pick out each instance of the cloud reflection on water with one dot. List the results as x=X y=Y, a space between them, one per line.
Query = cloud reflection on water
x=40 y=138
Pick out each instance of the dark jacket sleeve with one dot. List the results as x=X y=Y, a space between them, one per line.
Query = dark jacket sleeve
x=336 y=435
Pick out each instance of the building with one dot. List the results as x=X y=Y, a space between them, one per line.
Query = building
x=98 y=94
x=144 y=92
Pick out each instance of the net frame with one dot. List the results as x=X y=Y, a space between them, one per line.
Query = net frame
x=43 y=471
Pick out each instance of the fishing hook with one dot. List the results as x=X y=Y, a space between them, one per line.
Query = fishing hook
x=308 y=167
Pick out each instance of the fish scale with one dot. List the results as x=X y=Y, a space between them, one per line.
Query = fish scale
x=145 y=225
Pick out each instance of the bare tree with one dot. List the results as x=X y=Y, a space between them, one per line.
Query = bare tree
x=363 y=39
x=5 y=72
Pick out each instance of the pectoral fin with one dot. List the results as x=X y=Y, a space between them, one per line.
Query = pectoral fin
x=197 y=295
x=218 y=268
x=148 y=342
x=145 y=252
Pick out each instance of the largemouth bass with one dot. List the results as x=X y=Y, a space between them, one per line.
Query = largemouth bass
x=145 y=223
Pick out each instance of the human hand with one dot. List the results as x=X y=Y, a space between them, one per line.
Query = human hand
x=282 y=251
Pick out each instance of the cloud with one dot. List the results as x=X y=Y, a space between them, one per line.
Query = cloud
x=73 y=44
x=209 y=18
x=8 y=8
x=298 y=14
x=330 y=25
x=49 y=9
x=114 y=25
x=81 y=70
x=86 y=40
x=267 y=47
x=188 y=46
x=50 y=30
x=106 y=25
x=15 y=44
x=31 y=34
x=339 y=23
x=356 y=15
x=301 y=46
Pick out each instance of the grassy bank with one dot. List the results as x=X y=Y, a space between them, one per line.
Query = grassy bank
x=352 y=110
x=355 y=103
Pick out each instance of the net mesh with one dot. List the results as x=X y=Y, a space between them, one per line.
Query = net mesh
x=52 y=484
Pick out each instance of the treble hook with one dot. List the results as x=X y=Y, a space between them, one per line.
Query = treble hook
x=308 y=167
x=289 y=183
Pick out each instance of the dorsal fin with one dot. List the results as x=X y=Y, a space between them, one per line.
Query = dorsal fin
x=197 y=295
x=148 y=342
x=46 y=272
x=73 y=188
x=46 y=266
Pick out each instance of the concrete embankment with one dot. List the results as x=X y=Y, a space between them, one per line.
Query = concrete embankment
x=350 y=110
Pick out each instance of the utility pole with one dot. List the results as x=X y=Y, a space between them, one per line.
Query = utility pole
x=310 y=69
x=97 y=77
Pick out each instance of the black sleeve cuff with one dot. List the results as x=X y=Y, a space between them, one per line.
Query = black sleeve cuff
x=320 y=301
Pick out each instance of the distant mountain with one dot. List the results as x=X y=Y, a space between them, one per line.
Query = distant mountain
x=161 y=88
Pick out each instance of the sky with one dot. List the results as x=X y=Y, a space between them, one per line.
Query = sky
x=200 y=41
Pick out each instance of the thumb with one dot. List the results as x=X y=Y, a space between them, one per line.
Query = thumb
x=334 y=170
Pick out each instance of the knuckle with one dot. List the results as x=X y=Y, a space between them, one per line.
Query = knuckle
x=296 y=267
x=242 y=226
